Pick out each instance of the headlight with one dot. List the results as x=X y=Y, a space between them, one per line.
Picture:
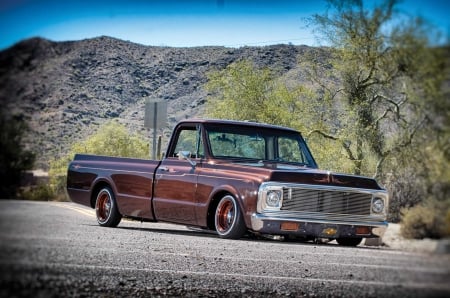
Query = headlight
x=270 y=198
x=377 y=205
x=273 y=198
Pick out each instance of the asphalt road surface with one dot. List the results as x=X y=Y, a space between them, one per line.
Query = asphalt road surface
x=50 y=249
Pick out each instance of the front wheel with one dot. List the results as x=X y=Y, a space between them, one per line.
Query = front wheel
x=348 y=241
x=228 y=219
x=106 y=208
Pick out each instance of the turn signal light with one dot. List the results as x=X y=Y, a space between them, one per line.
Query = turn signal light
x=363 y=231
x=289 y=226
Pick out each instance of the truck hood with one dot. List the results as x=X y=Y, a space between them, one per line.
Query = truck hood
x=287 y=173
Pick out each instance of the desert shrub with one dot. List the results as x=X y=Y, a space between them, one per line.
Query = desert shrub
x=406 y=190
x=429 y=219
x=41 y=192
x=14 y=158
x=447 y=223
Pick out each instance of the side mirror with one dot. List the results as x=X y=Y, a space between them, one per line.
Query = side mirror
x=185 y=155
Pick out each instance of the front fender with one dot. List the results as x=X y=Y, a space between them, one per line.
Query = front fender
x=246 y=196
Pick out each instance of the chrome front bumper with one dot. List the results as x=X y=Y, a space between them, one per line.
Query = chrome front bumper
x=271 y=223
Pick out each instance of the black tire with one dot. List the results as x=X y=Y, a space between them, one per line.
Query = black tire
x=300 y=239
x=349 y=241
x=106 y=208
x=228 y=220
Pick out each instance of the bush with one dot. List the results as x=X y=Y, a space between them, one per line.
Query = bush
x=41 y=192
x=430 y=219
x=406 y=190
x=14 y=158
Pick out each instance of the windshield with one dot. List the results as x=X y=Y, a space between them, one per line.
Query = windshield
x=262 y=145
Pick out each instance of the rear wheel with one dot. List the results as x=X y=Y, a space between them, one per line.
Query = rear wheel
x=348 y=241
x=106 y=208
x=228 y=219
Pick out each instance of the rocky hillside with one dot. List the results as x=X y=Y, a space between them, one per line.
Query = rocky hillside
x=67 y=89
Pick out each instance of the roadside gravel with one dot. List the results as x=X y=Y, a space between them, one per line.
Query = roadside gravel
x=393 y=239
x=58 y=250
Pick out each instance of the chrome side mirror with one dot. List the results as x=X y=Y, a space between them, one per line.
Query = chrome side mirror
x=185 y=155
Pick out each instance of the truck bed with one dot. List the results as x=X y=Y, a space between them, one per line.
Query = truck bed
x=130 y=178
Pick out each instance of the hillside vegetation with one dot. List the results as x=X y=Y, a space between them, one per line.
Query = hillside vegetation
x=66 y=90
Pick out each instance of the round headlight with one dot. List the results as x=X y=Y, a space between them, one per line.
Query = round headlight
x=378 y=205
x=273 y=199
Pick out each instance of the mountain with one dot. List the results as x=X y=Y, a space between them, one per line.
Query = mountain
x=65 y=90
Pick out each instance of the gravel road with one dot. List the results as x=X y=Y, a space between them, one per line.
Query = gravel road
x=50 y=249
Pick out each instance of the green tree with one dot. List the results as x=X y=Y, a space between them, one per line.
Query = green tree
x=14 y=159
x=387 y=73
x=389 y=78
x=241 y=91
x=111 y=139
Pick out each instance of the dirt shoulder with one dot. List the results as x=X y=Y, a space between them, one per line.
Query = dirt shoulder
x=393 y=239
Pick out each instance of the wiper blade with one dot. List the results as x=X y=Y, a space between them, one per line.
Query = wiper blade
x=294 y=163
x=239 y=159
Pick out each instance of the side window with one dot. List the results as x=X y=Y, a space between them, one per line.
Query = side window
x=289 y=150
x=189 y=140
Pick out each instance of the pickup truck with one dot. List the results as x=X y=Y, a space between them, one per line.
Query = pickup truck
x=232 y=177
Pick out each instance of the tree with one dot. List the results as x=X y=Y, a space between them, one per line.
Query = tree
x=14 y=159
x=389 y=85
x=240 y=92
x=387 y=73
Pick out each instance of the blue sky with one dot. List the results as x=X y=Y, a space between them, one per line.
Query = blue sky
x=178 y=23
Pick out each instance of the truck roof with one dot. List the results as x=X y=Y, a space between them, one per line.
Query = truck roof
x=236 y=122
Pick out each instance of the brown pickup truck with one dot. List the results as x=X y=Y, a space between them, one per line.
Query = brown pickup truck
x=232 y=177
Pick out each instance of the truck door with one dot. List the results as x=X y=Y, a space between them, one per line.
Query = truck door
x=176 y=179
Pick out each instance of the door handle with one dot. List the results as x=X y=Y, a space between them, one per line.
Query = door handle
x=164 y=169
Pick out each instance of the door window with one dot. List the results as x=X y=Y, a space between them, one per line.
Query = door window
x=189 y=139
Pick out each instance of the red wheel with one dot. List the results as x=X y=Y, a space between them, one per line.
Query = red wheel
x=106 y=208
x=229 y=222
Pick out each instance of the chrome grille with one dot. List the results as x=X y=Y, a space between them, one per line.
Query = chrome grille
x=326 y=201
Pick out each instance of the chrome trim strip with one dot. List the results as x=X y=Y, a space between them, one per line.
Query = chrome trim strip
x=322 y=216
x=257 y=220
x=381 y=192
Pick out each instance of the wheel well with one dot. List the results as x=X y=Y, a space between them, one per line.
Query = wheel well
x=96 y=190
x=212 y=207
